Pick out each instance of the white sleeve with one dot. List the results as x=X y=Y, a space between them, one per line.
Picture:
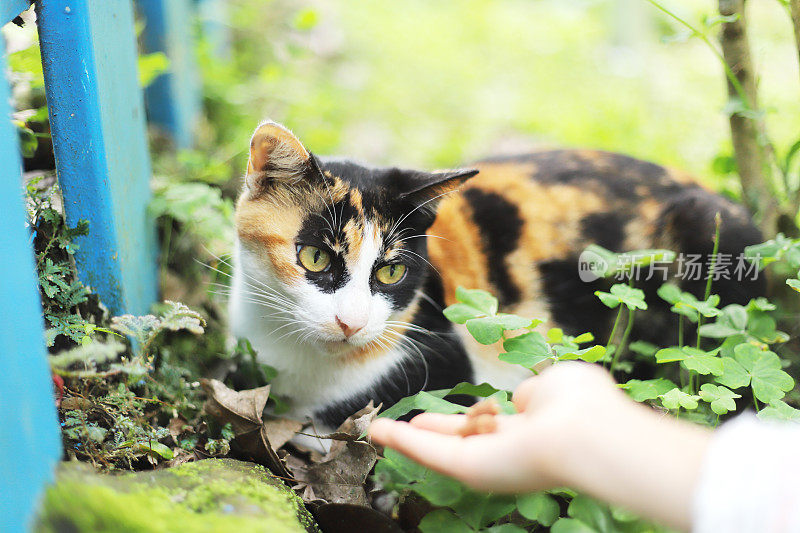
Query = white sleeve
x=750 y=479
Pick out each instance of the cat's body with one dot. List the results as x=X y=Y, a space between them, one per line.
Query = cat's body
x=340 y=336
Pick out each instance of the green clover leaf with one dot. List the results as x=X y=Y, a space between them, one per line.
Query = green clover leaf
x=538 y=506
x=486 y=330
x=780 y=411
x=692 y=359
x=531 y=342
x=460 y=313
x=590 y=355
x=684 y=303
x=528 y=360
x=442 y=521
x=512 y=322
x=768 y=381
x=794 y=283
x=647 y=390
x=480 y=300
x=676 y=398
x=720 y=398
x=734 y=374
x=472 y=303
x=622 y=294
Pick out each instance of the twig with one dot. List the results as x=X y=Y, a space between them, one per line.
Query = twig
x=747 y=129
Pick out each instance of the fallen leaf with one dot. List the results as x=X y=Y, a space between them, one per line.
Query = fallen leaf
x=354 y=428
x=178 y=426
x=181 y=456
x=339 y=476
x=75 y=403
x=281 y=430
x=244 y=410
x=241 y=408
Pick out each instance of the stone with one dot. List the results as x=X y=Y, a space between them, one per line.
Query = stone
x=208 y=495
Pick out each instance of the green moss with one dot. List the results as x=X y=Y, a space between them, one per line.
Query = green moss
x=210 y=495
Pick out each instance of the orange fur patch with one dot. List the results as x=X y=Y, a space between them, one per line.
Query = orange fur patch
x=270 y=227
x=551 y=215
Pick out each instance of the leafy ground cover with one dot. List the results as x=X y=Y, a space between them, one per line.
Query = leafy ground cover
x=158 y=391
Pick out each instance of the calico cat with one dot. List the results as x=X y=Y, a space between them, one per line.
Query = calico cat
x=341 y=270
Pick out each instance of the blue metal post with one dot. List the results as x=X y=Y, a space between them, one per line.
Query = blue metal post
x=98 y=128
x=30 y=444
x=174 y=98
x=10 y=9
x=213 y=15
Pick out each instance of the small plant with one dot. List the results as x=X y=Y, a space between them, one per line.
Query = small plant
x=731 y=359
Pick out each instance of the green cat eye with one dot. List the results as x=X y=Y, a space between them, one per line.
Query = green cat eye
x=390 y=274
x=313 y=259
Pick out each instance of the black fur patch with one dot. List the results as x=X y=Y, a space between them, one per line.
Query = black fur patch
x=572 y=302
x=605 y=229
x=313 y=232
x=500 y=227
x=690 y=218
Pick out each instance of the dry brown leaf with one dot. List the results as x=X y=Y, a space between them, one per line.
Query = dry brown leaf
x=356 y=424
x=75 y=403
x=243 y=410
x=281 y=430
x=339 y=476
x=181 y=456
x=178 y=426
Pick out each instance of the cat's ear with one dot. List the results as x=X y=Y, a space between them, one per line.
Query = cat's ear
x=275 y=155
x=428 y=187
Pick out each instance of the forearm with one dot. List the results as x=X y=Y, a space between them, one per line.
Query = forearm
x=631 y=456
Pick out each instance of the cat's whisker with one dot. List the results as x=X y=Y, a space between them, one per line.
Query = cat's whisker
x=406 y=251
x=333 y=203
x=420 y=206
x=263 y=286
x=254 y=291
x=260 y=299
x=422 y=235
x=428 y=299
x=286 y=334
x=412 y=343
x=330 y=212
x=410 y=326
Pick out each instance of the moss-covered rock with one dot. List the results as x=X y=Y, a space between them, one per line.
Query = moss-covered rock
x=209 y=495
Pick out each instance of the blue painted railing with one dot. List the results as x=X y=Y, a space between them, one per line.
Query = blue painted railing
x=97 y=119
x=173 y=99
x=98 y=127
x=29 y=437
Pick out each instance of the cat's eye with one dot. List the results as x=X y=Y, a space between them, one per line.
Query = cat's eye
x=390 y=274
x=313 y=259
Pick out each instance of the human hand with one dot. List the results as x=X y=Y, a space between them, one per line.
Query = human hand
x=566 y=404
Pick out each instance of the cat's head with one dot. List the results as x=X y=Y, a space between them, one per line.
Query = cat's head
x=338 y=248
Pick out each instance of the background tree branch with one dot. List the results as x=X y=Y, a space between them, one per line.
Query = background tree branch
x=749 y=144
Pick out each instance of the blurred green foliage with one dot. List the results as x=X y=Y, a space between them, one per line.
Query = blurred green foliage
x=442 y=83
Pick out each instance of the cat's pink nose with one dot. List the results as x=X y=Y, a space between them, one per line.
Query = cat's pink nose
x=348 y=329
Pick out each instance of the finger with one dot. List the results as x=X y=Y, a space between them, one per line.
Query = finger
x=446 y=424
x=443 y=453
x=524 y=393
